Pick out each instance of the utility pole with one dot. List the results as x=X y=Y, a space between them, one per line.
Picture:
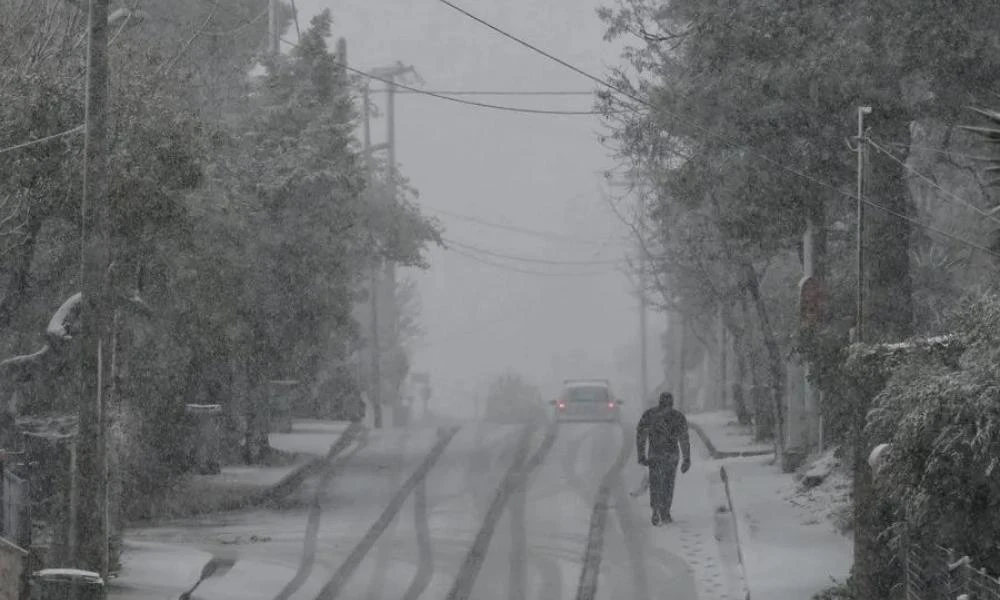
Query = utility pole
x=722 y=401
x=865 y=522
x=680 y=368
x=390 y=266
x=89 y=532
x=375 y=380
x=643 y=342
x=273 y=33
x=862 y=161
x=373 y=274
x=389 y=74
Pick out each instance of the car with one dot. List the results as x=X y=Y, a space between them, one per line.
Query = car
x=587 y=400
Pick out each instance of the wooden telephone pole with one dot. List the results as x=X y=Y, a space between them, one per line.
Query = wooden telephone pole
x=865 y=521
x=375 y=385
x=388 y=286
x=89 y=531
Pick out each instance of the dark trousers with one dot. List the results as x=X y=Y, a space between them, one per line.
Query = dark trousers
x=662 y=474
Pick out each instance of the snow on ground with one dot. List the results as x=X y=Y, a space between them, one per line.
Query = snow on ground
x=308 y=437
x=726 y=434
x=791 y=547
x=694 y=535
x=152 y=571
x=822 y=491
x=789 y=525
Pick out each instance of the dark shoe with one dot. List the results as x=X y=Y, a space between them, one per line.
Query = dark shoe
x=656 y=518
x=667 y=519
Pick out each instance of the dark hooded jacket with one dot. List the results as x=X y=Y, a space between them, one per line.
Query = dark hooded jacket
x=666 y=430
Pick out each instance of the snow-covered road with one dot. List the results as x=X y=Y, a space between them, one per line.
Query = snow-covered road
x=480 y=511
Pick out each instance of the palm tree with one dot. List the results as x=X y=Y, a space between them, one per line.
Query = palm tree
x=991 y=135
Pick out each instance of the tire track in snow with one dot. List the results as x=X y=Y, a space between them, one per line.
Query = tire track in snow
x=480 y=463
x=336 y=583
x=587 y=588
x=516 y=476
x=569 y=462
x=425 y=568
x=375 y=587
x=308 y=559
x=517 y=584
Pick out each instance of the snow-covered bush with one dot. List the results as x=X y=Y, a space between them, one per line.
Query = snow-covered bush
x=943 y=420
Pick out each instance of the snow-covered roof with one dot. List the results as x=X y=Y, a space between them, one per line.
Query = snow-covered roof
x=587 y=383
x=90 y=576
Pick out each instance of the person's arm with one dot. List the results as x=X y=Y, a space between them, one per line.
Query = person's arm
x=641 y=436
x=685 y=442
x=685 y=439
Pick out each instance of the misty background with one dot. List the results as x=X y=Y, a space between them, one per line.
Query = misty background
x=484 y=173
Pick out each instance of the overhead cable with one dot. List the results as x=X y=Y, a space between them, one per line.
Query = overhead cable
x=48 y=138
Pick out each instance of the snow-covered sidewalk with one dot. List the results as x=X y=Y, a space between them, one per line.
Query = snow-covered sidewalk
x=725 y=437
x=788 y=533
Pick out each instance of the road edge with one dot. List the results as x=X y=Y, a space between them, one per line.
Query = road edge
x=735 y=529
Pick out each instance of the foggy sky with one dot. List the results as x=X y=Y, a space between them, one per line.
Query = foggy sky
x=532 y=171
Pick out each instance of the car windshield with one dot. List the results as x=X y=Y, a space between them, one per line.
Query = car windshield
x=593 y=393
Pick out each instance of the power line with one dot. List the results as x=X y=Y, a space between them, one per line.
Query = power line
x=647 y=104
x=942 y=232
x=515 y=109
x=534 y=111
x=638 y=99
x=933 y=183
x=708 y=132
x=538 y=50
x=77 y=129
x=526 y=259
x=218 y=33
x=508 y=92
x=476 y=326
x=526 y=271
x=939 y=151
x=548 y=235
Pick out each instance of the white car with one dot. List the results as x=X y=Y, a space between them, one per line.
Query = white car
x=587 y=400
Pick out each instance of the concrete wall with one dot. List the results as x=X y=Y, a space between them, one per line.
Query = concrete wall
x=12 y=563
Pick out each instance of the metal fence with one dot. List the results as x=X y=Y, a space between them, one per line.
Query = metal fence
x=15 y=508
x=940 y=574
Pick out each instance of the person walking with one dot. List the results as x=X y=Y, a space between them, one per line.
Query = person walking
x=665 y=430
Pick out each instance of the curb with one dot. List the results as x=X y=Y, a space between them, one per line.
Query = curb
x=736 y=530
x=719 y=454
x=290 y=482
